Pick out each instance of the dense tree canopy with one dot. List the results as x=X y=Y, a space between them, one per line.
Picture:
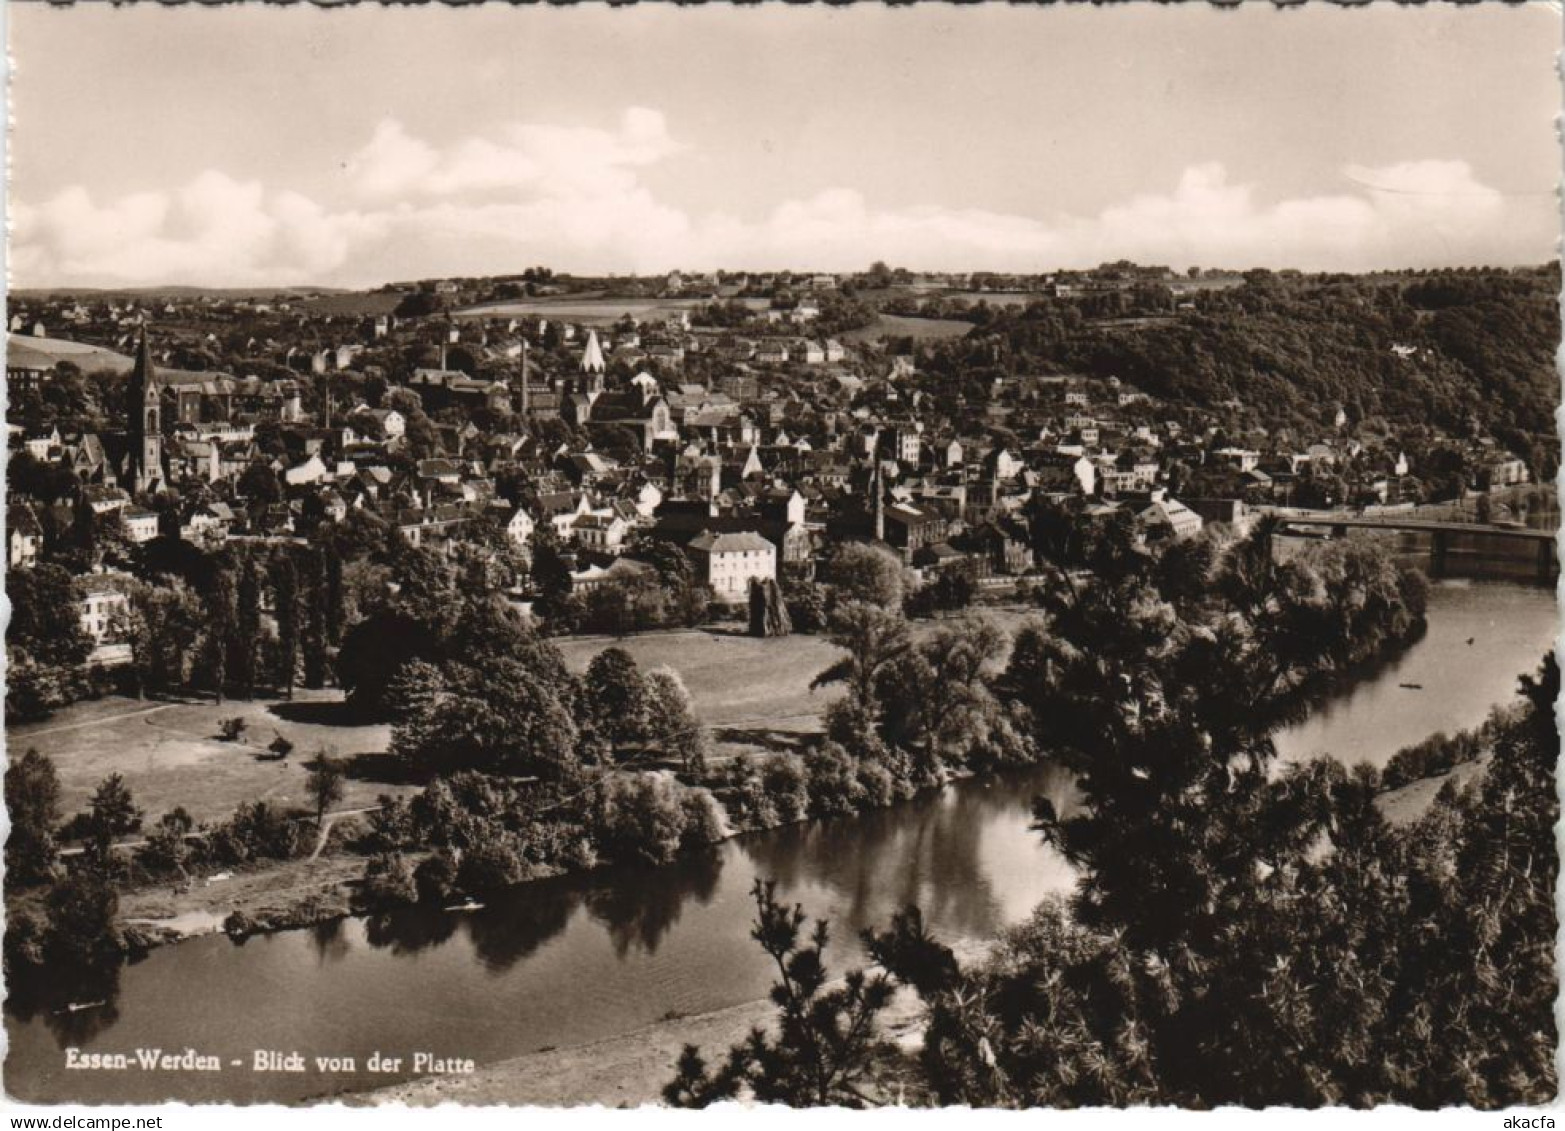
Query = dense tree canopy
x=32 y=800
x=46 y=644
x=1339 y=959
x=487 y=693
x=1474 y=348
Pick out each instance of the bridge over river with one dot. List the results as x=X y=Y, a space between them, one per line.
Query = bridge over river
x=1502 y=541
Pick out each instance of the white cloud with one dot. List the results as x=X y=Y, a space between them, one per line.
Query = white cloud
x=1419 y=213
x=391 y=161
x=212 y=230
x=547 y=160
x=1424 y=212
x=576 y=198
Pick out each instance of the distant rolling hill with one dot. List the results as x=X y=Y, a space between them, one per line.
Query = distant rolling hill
x=26 y=351
x=318 y=300
x=185 y=292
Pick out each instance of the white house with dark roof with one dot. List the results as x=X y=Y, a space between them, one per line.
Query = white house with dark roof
x=25 y=535
x=103 y=599
x=1168 y=518
x=603 y=533
x=519 y=527
x=727 y=563
x=141 y=524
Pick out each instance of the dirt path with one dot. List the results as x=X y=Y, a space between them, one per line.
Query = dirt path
x=259 y=890
x=94 y=722
x=320 y=840
x=331 y=819
x=753 y=720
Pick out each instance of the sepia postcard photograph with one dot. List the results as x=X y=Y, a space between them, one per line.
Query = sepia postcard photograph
x=926 y=556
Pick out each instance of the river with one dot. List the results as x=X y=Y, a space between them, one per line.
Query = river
x=1482 y=636
x=574 y=959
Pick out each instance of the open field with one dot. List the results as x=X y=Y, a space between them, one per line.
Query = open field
x=754 y=694
x=1183 y=285
x=592 y=310
x=899 y=326
x=354 y=303
x=996 y=298
x=24 y=350
x=170 y=755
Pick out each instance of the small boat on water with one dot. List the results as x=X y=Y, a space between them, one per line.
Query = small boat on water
x=78 y=1006
x=469 y=905
x=1412 y=686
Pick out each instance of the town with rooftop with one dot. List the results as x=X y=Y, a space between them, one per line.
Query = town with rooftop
x=750 y=422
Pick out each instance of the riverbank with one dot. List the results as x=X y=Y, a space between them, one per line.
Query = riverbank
x=269 y=896
x=1408 y=803
x=622 y=1071
x=295 y=894
x=275 y=896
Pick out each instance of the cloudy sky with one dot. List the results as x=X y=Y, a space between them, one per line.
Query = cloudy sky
x=248 y=145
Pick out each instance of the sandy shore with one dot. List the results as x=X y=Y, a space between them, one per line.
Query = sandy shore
x=277 y=894
x=629 y=1069
x=623 y=1071
x=1410 y=802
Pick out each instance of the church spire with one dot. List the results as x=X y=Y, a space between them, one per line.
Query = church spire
x=592 y=365
x=146 y=426
x=143 y=370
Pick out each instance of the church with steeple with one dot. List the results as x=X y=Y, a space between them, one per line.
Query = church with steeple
x=592 y=366
x=144 y=452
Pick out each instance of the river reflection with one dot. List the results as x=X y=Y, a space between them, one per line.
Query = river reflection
x=409 y=931
x=934 y=853
x=638 y=908
x=868 y=867
x=552 y=963
x=515 y=925
x=330 y=940
x=74 y=1007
